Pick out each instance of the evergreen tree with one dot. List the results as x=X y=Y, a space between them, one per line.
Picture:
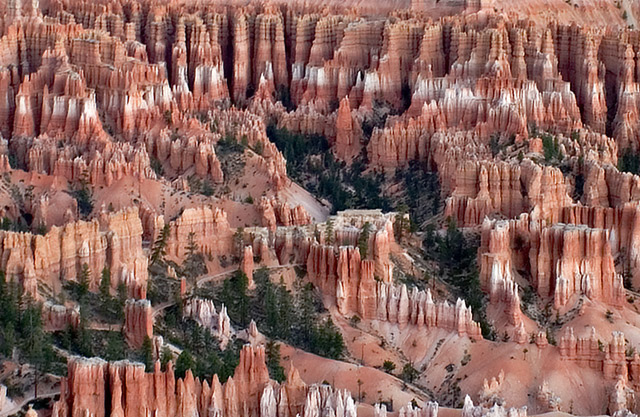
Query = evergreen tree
x=276 y=371
x=327 y=341
x=83 y=281
x=147 y=354
x=235 y=298
x=329 y=232
x=192 y=247
x=194 y=261
x=36 y=346
x=159 y=250
x=388 y=366
x=363 y=240
x=105 y=284
x=165 y=357
x=82 y=336
x=83 y=195
x=286 y=311
x=183 y=363
x=409 y=373
x=115 y=348
x=238 y=242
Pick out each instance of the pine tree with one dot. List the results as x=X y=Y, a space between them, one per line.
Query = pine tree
x=235 y=298
x=276 y=371
x=329 y=232
x=159 y=250
x=105 y=284
x=192 y=247
x=286 y=308
x=147 y=354
x=363 y=240
x=184 y=362
x=165 y=357
x=83 y=280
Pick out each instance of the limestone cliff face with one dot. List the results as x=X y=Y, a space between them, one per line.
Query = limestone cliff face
x=210 y=230
x=275 y=211
x=58 y=317
x=123 y=389
x=138 y=322
x=564 y=260
x=611 y=360
x=621 y=221
x=60 y=254
x=349 y=282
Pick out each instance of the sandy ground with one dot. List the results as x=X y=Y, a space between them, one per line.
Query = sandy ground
x=375 y=385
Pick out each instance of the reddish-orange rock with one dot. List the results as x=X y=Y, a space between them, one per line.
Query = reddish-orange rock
x=210 y=230
x=246 y=265
x=58 y=317
x=138 y=322
x=95 y=387
x=348 y=133
x=563 y=260
x=61 y=253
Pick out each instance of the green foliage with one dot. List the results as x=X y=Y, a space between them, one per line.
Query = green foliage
x=184 y=362
x=609 y=316
x=165 y=357
x=229 y=144
x=83 y=195
x=207 y=188
x=409 y=373
x=83 y=281
x=388 y=366
x=327 y=340
x=21 y=328
x=235 y=298
x=105 y=283
x=456 y=258
x=311 y=163
x=329 y=232
x=276 y=371
x=110 y=309
x=551 y=148
x=629 y=162
x=160 y=287
x=363 y=240
x=146 y=351
x=159 y=250
x=421 y=197
x=258 y=148
x=168 y=117
x=402 y=222
x=156 y=166
x=6 y=223
x=203 y=355
x=294 y=318
x=194 y=264
x=494 y=144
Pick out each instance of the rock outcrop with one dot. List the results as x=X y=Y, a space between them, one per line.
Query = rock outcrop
x=95 y=387
x=564 y=260
x=204 y=313
x=209 y=228
x=59 y=255
x=138 y=322
x=246 y=265
x=58 y=317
